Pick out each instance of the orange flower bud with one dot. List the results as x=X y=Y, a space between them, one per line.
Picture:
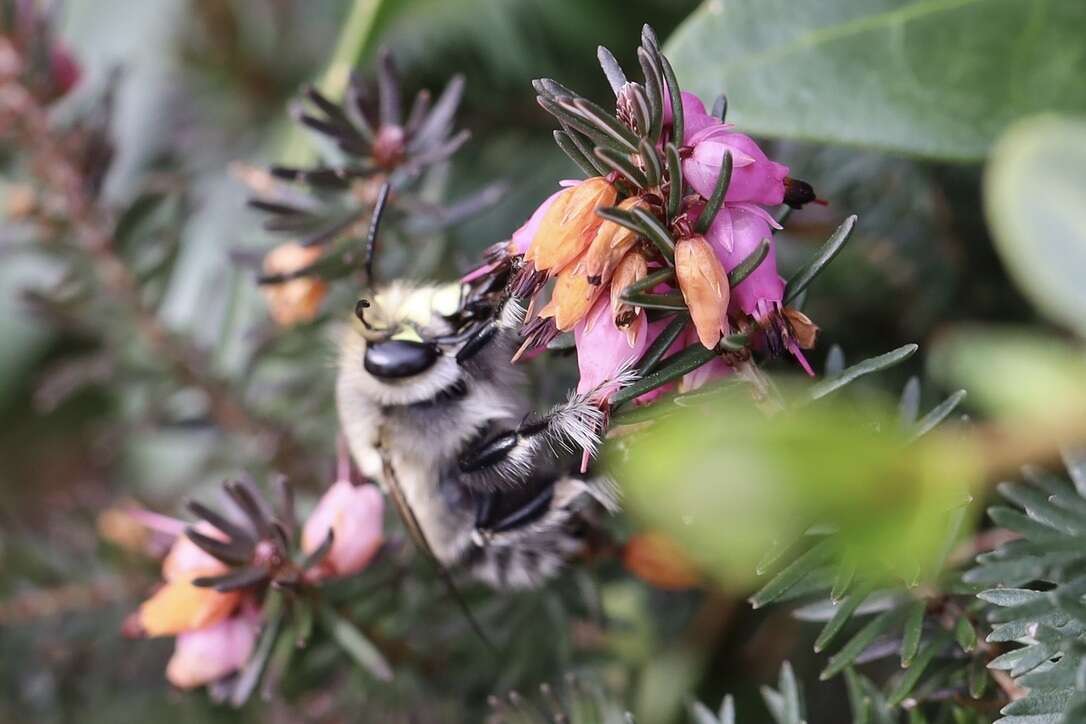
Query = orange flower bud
x=658 y=560
x=571 y=299
x=802 y=327
x=704 y=285
x=570 y=224
x=180 y=606
x=609 y=245
x=295 y=300
x=633 y=268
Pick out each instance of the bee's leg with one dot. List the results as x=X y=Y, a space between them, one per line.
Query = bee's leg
x=505 y=460
x=501 y=331
x=525 y=545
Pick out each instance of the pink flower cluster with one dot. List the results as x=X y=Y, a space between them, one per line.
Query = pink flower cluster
x=215 y=631
x=612 y=335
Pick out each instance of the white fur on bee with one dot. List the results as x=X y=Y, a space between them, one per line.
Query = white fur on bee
x=421 y=442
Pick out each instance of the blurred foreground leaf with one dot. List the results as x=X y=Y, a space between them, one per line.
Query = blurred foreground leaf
x=1029 y=378
x=938 y=78
x=1033 y=192
x=728 y=482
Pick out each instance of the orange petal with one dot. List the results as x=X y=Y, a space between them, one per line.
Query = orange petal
x=658 y=560
x=570 y=224
x=633 y=268
x=180 y=606
x=295 y=300
x=610 y=245
x=571 y=299
x=704 y=285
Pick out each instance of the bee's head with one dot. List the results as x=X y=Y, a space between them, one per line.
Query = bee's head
x=403 y=343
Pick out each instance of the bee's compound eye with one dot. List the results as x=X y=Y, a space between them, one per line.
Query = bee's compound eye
x=399 y=358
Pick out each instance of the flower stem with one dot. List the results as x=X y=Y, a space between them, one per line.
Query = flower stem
x=352 y=43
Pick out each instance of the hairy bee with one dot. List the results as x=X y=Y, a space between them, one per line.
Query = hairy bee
x=431 y=408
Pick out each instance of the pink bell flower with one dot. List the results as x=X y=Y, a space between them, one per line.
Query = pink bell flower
x=208 y=654
x=355 y=515
x=754 y=177
x=734 y=234
x=604 y=350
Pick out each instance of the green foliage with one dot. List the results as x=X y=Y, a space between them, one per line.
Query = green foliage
x=938 y=78
x=1032 y=190
x=734 y=483
x=1035 y=595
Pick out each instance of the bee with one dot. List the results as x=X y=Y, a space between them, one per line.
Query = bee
x=432 y=409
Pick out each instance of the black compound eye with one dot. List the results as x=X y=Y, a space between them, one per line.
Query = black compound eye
x=399 y=358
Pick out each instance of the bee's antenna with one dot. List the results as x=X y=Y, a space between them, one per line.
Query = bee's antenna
x=375 y=225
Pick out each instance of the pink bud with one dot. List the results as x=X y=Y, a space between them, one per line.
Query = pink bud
x=355 y=517
x=208 y=654
x=754 y=177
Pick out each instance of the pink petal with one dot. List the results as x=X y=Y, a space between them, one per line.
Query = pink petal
x=522 y=237
x=355 y=514
x=603 y=350
x=208 y=654
x=735 y=233
x=754 y=177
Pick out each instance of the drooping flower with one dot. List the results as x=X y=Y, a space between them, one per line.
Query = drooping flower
x=735 y=233
x=573 y=295
x=754 y=177
x=704 y=285
x=569 y=224
x=354 y=515
x=632 y=269
x=179 y=605
x=604 y=350
x=206 y=655
x=609 y=246
x=298 y=299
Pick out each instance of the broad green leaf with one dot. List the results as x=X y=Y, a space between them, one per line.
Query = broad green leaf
x=938 y=78
x=726 y=480
x=1033 y=192
x=1036 y=381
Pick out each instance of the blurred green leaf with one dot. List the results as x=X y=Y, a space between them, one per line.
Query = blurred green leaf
x=726 y=481
x=1031 y=378
x=1033 y=191
x=938 y=78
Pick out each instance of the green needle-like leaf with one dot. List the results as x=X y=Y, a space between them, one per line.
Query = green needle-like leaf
x=802 y=279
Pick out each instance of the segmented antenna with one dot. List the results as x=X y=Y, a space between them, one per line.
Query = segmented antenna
x=375 y=225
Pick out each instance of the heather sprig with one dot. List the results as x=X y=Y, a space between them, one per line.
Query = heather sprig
x=670 y=236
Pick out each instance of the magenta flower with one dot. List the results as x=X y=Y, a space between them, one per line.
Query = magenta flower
x=734 y=234
x=754 y=177
x=604 y=350
x=355 y=515
x=208 y=654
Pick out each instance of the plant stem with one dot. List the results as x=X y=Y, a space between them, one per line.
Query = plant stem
x=352 y=43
